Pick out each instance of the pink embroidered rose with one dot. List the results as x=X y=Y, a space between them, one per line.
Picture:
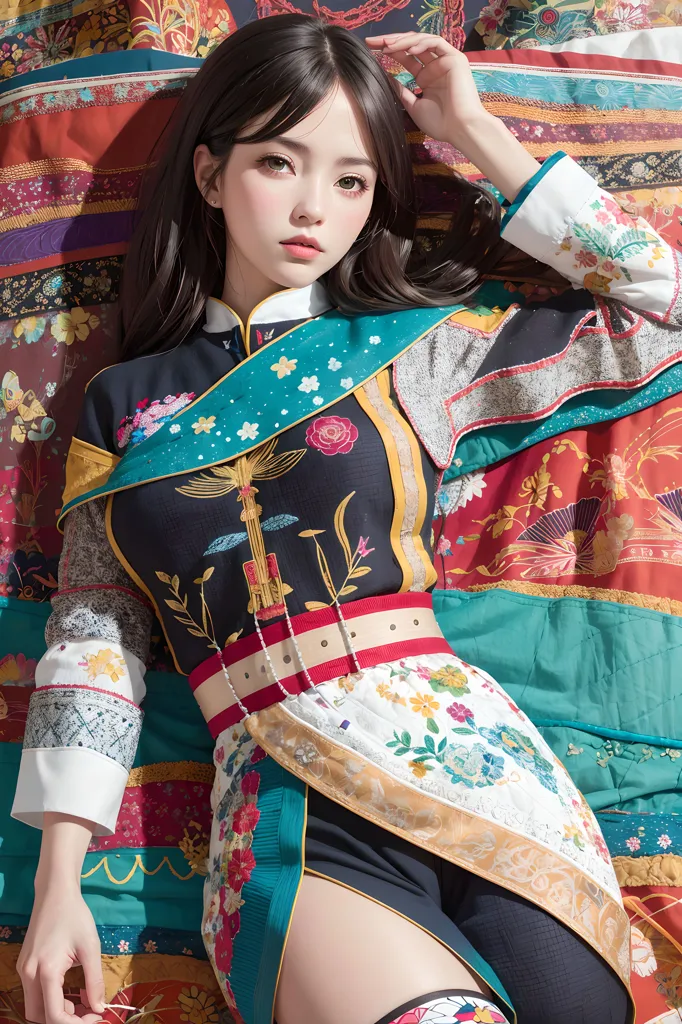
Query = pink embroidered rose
x=245 y=819
x=250 y=783
x=332 y=435
x=242 y=863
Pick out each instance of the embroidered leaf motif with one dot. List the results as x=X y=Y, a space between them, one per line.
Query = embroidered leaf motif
x=175 y=582
x=347 y=590
x=207 y=575
x=314 y=606
x=176 y=606
x=164 y=577
x=324 y=569
x=226 y=543
x=361 y=570
x=310 y=533
x=278 y=522
x=341 y=530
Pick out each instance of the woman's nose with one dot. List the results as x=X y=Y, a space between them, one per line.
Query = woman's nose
x=309 y=207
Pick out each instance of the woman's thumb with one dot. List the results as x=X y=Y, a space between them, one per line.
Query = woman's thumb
x=91 y=962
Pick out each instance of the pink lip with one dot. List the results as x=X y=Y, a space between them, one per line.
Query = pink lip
x=303 y=240
x=301 y=252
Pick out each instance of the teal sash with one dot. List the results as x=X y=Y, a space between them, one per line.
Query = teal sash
x=293 y=378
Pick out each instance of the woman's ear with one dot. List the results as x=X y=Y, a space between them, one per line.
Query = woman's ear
x=204 y=168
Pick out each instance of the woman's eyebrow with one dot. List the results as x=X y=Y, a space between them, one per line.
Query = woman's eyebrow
x=344 y=161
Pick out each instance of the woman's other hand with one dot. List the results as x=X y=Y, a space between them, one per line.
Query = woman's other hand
x=62 y=932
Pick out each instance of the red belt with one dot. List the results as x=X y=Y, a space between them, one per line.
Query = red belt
x=380 y=629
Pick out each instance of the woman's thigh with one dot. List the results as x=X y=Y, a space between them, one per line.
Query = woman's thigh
x=549 y=973
x=348 y=958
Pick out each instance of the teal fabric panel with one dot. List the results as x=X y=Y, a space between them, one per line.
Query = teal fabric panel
x=120 y=62
x=641 y=835
x=270 y=893
x=489 y=445
x=612 y=672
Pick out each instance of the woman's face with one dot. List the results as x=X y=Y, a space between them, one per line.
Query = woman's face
x=316 y=183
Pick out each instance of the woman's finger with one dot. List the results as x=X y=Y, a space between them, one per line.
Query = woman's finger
x=52 y=983
x=34 y=1010
x=91 y=962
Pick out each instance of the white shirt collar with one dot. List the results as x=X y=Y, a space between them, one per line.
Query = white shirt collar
x=290 y=304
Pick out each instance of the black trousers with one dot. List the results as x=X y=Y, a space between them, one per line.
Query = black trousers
x=550 y=974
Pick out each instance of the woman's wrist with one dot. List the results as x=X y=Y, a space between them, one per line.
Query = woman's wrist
x=64 y=845
x=488 y=144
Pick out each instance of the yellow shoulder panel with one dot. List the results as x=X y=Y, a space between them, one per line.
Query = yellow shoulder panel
x=87 y=467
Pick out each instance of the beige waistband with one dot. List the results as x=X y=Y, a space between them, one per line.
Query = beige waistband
x=326 y=654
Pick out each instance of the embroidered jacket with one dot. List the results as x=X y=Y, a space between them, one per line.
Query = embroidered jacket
x=338 y=506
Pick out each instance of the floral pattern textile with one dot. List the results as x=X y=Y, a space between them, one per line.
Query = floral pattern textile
x=439 y=725
x=231 y=860
x=452 y=1010
x=148 y=417
x=516 y=23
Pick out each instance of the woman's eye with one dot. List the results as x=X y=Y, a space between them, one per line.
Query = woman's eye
x=277 y=163
x=348 y=185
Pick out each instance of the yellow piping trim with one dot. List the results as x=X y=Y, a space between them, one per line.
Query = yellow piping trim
x=45 y=214
x=229 y=372
x=385 y=390
x=667 y=605
x=293 y=906
x=397 y=482
x=276 y=433
x=104 y=863
x=57 y=164
x=442 y=942
x=171 y=771
x=138 y=579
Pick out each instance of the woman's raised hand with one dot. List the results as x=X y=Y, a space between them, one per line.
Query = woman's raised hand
x=449 y=108
x=449 y=104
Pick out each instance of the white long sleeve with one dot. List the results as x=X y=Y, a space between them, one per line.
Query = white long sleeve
x=564 y=219
x=84 y=718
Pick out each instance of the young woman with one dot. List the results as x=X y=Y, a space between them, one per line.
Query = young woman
x=392 y=840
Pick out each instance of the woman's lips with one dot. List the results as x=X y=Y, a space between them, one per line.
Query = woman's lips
x=301 y=252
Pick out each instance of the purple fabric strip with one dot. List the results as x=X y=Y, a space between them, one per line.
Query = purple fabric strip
x=63 y=236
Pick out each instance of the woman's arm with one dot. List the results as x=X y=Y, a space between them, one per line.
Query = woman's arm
x=559 y=214
x=81 y=735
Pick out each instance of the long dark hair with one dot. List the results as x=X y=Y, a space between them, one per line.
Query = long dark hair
x=290 y=63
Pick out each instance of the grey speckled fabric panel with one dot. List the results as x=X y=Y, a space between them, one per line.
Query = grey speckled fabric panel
x=445 y=362
x=115 y=609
